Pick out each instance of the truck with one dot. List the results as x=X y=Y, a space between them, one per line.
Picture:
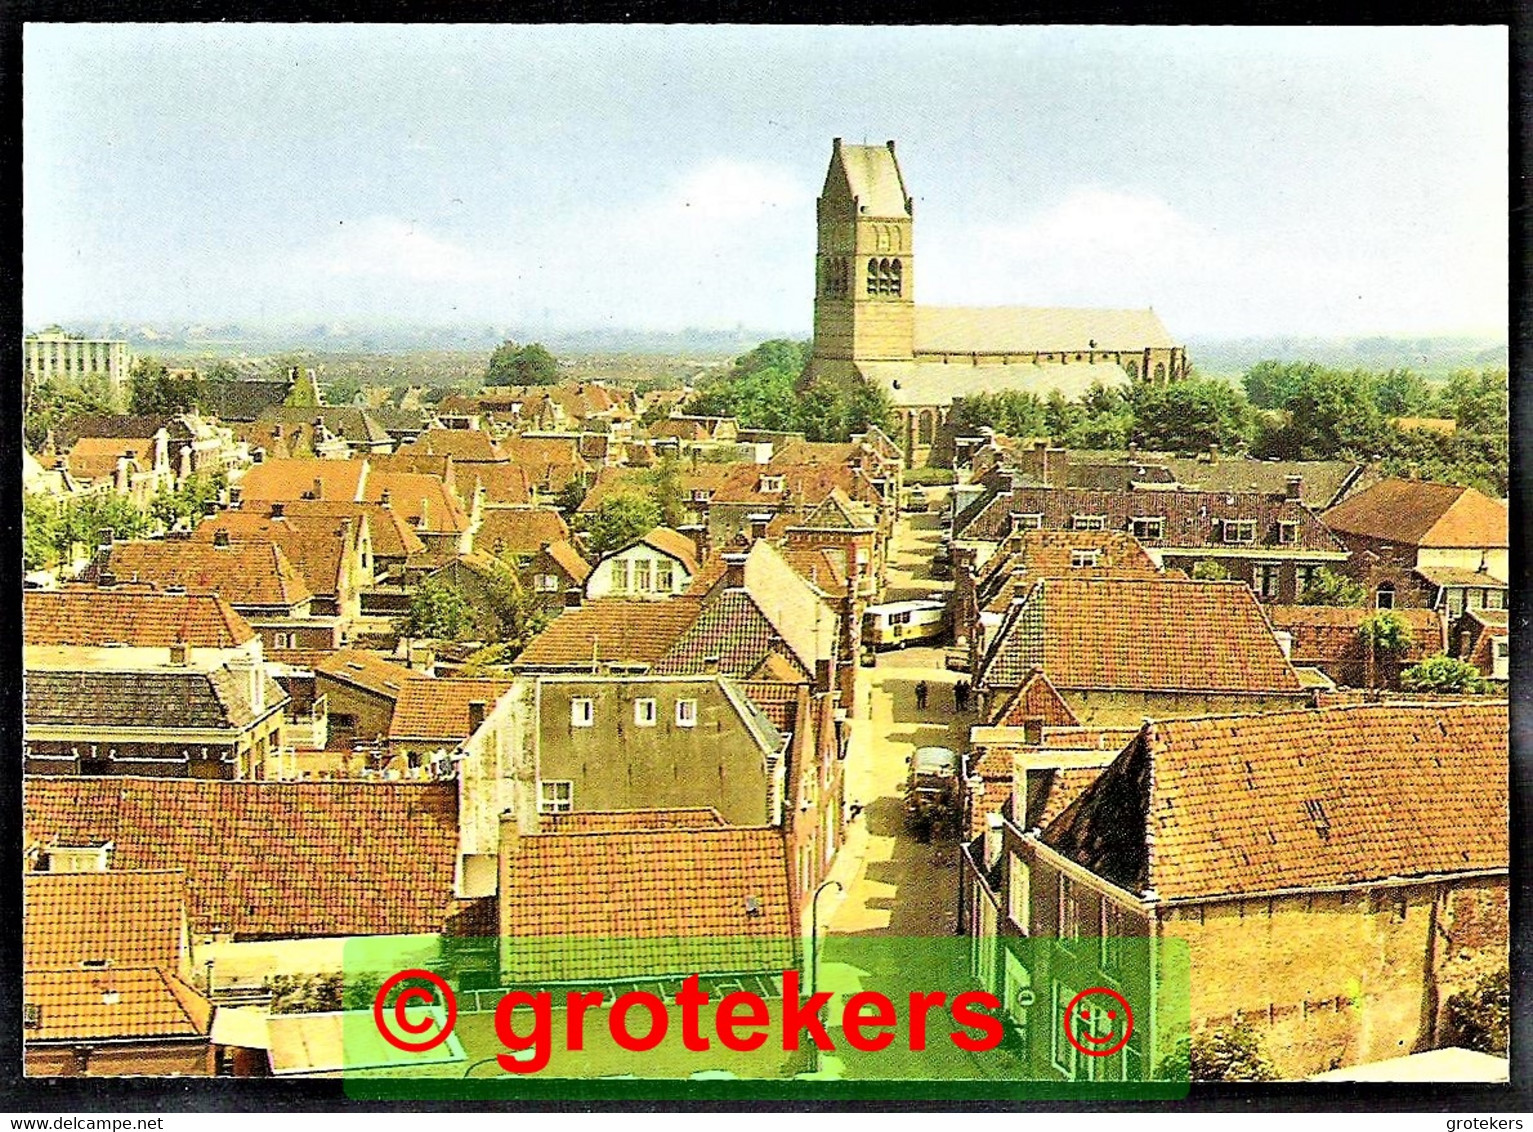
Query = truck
x=933 y=792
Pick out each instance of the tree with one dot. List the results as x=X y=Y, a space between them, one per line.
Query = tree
x=1444 y=674
x=1477 y=401
x=618 y=521
x=665 y=489
x=438 y=609
x=41 y=523
x=1332 y=414
x=511 y=364
x=1009 y=412
x=1190 y=415
x=342 y=391
x=153 y=391
x=759 y=390
x=1386 y=631
x=1401 y=393
x=1327 y=587
x=571 y=496
x=1210 y=570
x=88 y=520
x=1479 y=1019
x=1272 y=384
x=55 y=399
x=518 y=615
x=185 y=504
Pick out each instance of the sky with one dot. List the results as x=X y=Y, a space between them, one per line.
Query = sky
x=1242 y=181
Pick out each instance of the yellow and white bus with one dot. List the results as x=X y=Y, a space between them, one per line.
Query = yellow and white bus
x=900 y=623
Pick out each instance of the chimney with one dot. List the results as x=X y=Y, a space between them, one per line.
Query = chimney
x=319 y=487
x=711 y=665
x=221 y=538
x=758 y=524
x=824 y=675
x=277 y=509
x=180 y=653
x=386 y=497
x=698 y=533
x=734 y=571
x=1293 y=487
x=994 y=825
x=475 y=715
x=1032 y=731
x=1285 y=642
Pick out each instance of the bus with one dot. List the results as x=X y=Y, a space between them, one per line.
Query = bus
x=898 y=623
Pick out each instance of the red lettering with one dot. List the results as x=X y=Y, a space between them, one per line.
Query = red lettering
x=853 y=1021
x=690 y=998
x=919 y=1005
x=617 y=1021
x=965 y=1015
x=576 y=1003
x=728 y=1020
x=799 y=1016
x=539 y=1041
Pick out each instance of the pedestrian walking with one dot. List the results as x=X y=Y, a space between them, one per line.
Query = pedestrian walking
x=961 y=695
x=921 y=696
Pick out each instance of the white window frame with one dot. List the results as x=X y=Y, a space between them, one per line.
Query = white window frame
x=556 y=796
x=1068 y=919
x=1239 y=532
x=548 y=583
x=1259 y=578
x=582 y=712
x=1032 y=521
x=1111 y=959
x=771 y=485
x=645 y=713
x=1148 y=526
x=665 y=575
x=619 y=573
x=1088 y=522
x=282 y=641
x=642 y=576
x=1288 y=532
x=686 y=713
x=1082 y=558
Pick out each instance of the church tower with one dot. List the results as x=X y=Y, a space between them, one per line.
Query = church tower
x=864 y=297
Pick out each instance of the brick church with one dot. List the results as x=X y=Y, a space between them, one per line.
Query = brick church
x=867 y=323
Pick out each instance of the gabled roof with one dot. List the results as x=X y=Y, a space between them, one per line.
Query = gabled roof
x=1070 y=330
x=734 y=630
x=667 y=902
x=610 y=630
x=271 y=858
x=1228 y=805
x=245 y=573
x=79 y=616
x=568 y=559
x=520 y=531
x=1416 y=513
x=240 y=400
x=462 y=444
x=355 y=425
x=424 y=501
x=124 y=919
x=391 y=535
x=216 y=699
x=672 y=544
x=505 y=485
x=315 y=544
x=96 y=457
x=438 y=709
x=1140 y=634
x=294 y=479
x=367 y=671
x=839 y=513
x=1035 y=699
x=134 y=1002
x=1331 y=633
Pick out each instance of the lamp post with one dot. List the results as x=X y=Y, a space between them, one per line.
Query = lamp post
x=814 y=958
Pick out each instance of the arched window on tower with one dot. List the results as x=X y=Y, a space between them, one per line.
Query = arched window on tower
x=1132 y=368
x=896 y=274
x=872 y=276
x=1160 y=371
x=926 y=426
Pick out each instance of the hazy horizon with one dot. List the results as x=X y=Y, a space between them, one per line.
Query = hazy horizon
x=1244 y=182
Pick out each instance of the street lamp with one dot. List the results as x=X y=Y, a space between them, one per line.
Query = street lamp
x=814 y=959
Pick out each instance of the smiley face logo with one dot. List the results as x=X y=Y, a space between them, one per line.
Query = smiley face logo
x=1098 y=1022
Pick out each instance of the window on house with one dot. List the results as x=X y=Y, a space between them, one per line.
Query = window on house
x=1495 y=599
x=665 y=575
x=1019 y=893
x=582 y=712
x=1288 y=532
x=1029 y=522
x=644 y=713
x=1303 y=578
x=770 y=485
x=1266 y=579
x=282 y=641
x=686 y=713
x=556 y=797
x=641 y=576
x=548 y=583
x=1455 y=603
x=1088 y=522
x=1061 y=1049
x=1152 y=528
x=1069 y=912
x=1240 y=530
x=872 y=276
x=1501 y=659
x=620 y=576
x=1087 y=557
x=1384 y=596
x=1112 y=937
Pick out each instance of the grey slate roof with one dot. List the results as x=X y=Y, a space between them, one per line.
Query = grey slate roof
x=192 y=698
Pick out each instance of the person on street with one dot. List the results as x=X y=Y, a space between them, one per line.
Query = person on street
x=921 y=691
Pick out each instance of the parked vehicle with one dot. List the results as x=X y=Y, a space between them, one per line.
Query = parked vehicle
x=915 y=498
x=933 y=799
x=898 y=623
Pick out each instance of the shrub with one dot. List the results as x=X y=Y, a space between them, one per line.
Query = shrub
x=1478 y=1019
x=1443 y=673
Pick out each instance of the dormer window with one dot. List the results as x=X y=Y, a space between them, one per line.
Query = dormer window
x=1148 y=528
x=1088 y=522
x=1084 y=557
x=771 y=485
x=1239 y=530
x=1288 y=532
x=1029 y=522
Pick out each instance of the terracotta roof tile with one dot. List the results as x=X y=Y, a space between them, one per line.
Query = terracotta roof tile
x=294 y=479
x=669 y=902
x=1292 y=800
x=438 y=709
x=1149 y=634
x=392 y=536
x=313 y=543
x=125 y=919
x=270 y=858
x=568 y=559
x=367 y=671
x=1325 y=634
x=462 y=444
x=505 y=485
x=205 y=699
x=1415 y=513
x=79 y=616
x=732 y=628
x=610 y=630
x=628 y=821
x=424 y=501
x=1035 y=699
x=520 y=531
x=142 y=1002
x=245 y=573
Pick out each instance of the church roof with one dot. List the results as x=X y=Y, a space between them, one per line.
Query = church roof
x=1001 y=330
x=933 y=383
x=874 y=179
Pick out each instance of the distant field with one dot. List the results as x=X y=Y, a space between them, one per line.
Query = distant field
x=1430 y=357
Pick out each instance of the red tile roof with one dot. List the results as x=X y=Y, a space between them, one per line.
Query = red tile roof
x=568 y=559
x=271 y=858
x=294 y=479
x=610 y=630
x=424 y=501
x=462 y=444
x=1035 y=699
x=1292 y=800
x=505 y=485
x=1415 y=513
x=519 y=531
x=80 y=616
x=662 y=902
x=141 y=1002
x=96 y=457
x=245 y=573
x=438 y=709
x=628 y=821
x=1142 y=634
x=367 y=671
x=1327 y=634
x=392 y=536
x=126 y=919
x=312 y=543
